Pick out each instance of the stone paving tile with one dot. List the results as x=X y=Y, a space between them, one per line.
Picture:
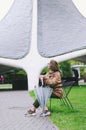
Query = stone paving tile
x=13 y=106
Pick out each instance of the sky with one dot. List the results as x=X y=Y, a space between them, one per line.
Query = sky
x=81 y=6
x=4 y=7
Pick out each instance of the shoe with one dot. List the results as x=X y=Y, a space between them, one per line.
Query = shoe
x=46 y=113
x=31 y=112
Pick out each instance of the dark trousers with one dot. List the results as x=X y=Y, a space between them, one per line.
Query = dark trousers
x=36 y=103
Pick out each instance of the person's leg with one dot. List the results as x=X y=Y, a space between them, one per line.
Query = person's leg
x=53 y=96
x=32 y=110
x=36 y=104
x=46 y=111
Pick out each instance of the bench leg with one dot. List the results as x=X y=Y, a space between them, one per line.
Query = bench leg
x=67 y=102
x=50 y=104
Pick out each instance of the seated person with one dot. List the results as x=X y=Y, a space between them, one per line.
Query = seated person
x=51 y=79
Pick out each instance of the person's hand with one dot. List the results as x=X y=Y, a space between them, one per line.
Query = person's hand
x=41 y=77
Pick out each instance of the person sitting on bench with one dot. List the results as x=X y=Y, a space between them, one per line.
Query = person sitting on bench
x=52 y=79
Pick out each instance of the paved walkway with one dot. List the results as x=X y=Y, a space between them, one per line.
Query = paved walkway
x=13 y=106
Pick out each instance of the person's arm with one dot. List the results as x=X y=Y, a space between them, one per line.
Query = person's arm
x=52 y=79
x=41 y=80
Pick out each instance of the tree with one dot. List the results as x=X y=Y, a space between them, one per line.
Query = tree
x=66 y=69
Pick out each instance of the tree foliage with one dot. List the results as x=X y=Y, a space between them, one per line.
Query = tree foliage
x=66 y=69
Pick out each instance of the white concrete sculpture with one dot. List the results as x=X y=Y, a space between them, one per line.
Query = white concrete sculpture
x=33 y=62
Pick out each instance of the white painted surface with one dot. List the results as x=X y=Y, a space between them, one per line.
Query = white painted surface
x=33 y=62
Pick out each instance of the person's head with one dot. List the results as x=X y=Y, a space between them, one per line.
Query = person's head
x=53 y=65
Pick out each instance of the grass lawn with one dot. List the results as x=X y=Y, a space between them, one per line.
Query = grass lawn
x=5 y=86
x=65 y=118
